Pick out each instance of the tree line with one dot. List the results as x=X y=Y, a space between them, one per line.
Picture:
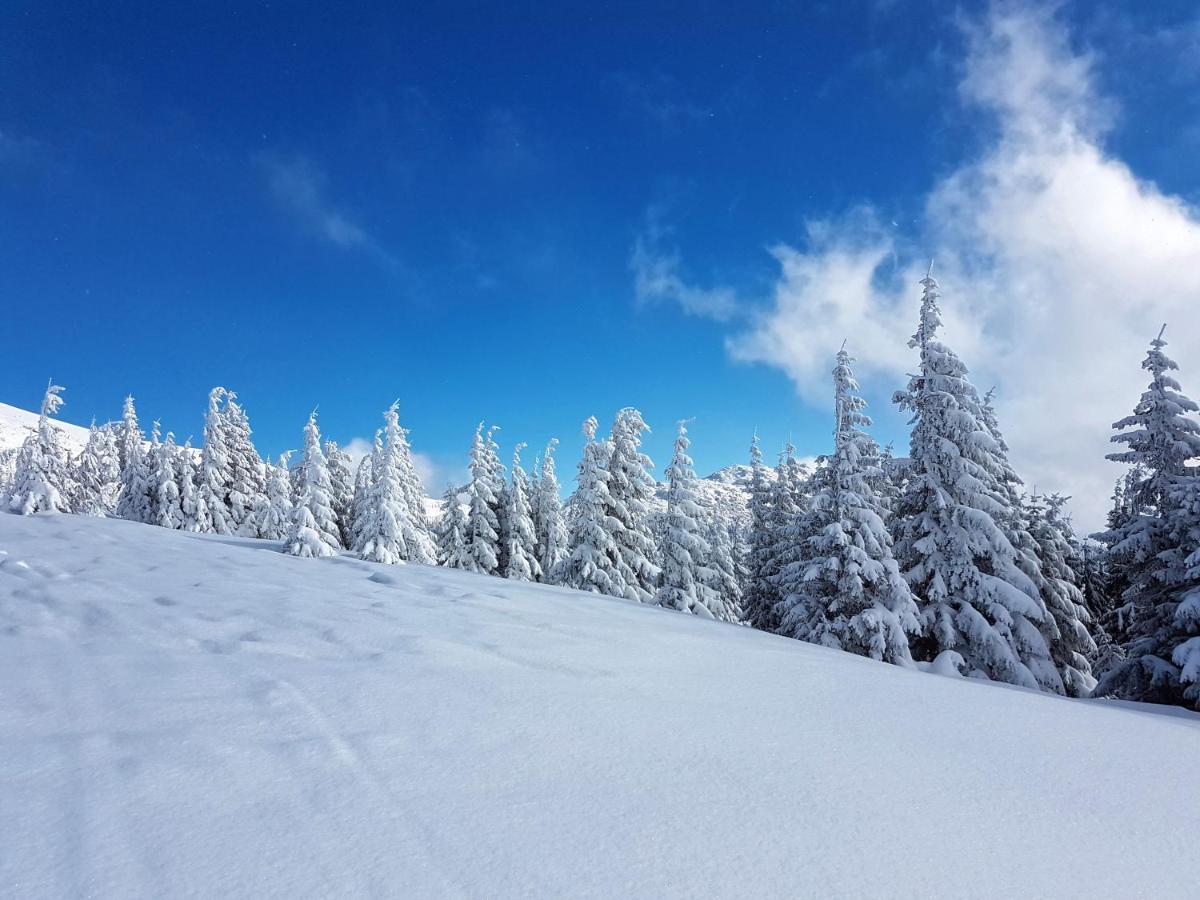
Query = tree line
x=938 y=560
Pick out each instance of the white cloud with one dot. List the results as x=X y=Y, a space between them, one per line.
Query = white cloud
x=1057 y=263
x=359 y=449
x=656 y=278
x=299 y=187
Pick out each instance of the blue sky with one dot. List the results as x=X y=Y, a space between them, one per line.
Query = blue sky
x=530 y=217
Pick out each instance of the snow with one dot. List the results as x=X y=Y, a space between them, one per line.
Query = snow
x=15 y=425
x=186 y=715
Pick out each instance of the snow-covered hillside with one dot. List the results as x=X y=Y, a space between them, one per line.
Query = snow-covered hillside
x=199 y=716
x=15 y=425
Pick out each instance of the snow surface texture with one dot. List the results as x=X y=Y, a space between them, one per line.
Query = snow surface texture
x=186 y=715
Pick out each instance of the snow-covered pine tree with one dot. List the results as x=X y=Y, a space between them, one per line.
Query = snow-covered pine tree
x=364 y=482
x=452 y=531
x=483 y=522
x=133 y=503
x=789 y=525
x=196 y=517
x=521 y=562
x=844 y=589
x=1064 y=630
x=761 y=595
x=548 y=521
x=728 y=575
x=593 y=561
x=1157 y=544
x=42 y=481
x=975 y=601
x=686 y=582
x=630 y=492
x=421 y=546
x=99 y=473
x=272 y=515
x=215 y=466
x=500 y=491
x=388 y=527
x=246 y=472
x=341 y=480
x=164 y=484
x=313 y=531
x=1072 y=648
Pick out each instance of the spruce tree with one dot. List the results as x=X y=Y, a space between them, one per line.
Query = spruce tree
x=977 y=606
x=483 y=522
x=99 y=473
x=1157 y=544
x=452 y=531
x=246 y=474
x=1073 y=647
x=164 y=484
x=133 y=503
x=341 y=480
x=215 y=474
x=521 y=562
x=630 y=493
x=364 y=482
x=593 y=560
x=196 y=517
x=549 y=524
x=42 y=481
x=686 y=583
x=844 y=589
x=421 y=546
x=727 y=574
x=313 y=531
x=760 y=595
x=788 y=527
x=273 y=514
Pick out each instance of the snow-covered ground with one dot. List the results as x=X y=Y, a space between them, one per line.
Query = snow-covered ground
x=15 y=425
x=206 y=717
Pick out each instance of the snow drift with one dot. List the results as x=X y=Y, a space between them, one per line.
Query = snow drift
x=186 y=715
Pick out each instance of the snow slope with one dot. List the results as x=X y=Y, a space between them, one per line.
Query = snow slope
x=205 y=717
x=15 y=425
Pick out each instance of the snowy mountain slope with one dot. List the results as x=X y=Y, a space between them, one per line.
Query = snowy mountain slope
x=15 y=425
x=201 y=716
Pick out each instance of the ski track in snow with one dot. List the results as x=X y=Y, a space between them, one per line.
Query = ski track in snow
x=205 y=717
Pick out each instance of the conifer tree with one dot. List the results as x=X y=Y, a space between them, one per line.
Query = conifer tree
x=1073 y=647
x=549 y=524
x=686 y=583
x=164 y=484
x=42 y=481
x=341 y=480
x=521 y=562
x=196 y=517
x=844 y=589
x=630 y=492
x=313 y=531
x=760 y=595
x=727 y=574
x=364 y=482
x=99 y=473
x=593 y=561
x=1157 y=544
x=215 y=466
x=975 y=601
x=133 y=503
x=245 y=473
x=452 y=531
x=421 y=546
x=272 y=516
x=788 y=527
x=483 y=523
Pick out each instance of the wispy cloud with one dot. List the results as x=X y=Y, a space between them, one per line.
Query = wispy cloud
x=657 y=278
x=660 y=99
x=300 y=188
x=1058 y=265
